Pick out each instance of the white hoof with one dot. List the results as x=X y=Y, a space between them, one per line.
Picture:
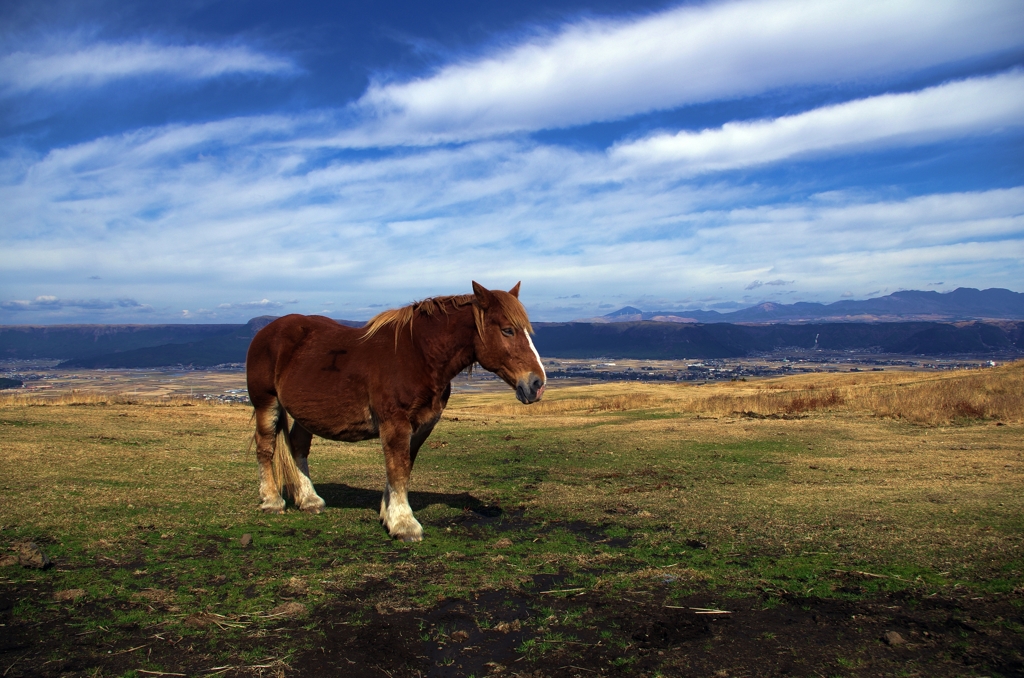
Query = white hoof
x=314 y=504
x=396 y=516
x=407 y=530
x=272 y=506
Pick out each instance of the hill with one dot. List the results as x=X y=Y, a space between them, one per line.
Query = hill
x=143 y=346
x=80 y=341
x=662 y=340
x=219 y=349
x=643 y=339
x=963 y=303
x=98 y=346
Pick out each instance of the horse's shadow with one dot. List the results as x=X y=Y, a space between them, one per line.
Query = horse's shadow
x=340 y=495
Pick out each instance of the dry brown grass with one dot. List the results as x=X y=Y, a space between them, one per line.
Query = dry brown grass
x=568 y=401
x=989 y=394
x=72 y=398
x=609 y=485
x=866 y=491
x=934 y=398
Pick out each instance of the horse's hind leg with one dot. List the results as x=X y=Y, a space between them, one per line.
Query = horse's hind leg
x=306 y=497
x=267 y=415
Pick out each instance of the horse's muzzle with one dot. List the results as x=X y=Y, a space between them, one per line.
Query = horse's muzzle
x=529 y=389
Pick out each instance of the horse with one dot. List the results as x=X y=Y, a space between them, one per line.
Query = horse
x=352 y=384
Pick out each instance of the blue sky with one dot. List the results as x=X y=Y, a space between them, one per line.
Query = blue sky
x=210 y=161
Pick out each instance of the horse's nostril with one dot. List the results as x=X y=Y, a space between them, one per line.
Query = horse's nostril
x=536 y=383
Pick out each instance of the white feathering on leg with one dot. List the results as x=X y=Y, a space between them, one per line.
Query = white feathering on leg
x=399 y=520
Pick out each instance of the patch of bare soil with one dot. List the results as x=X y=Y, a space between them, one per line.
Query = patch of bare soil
x=505 y=633
x=500 y=633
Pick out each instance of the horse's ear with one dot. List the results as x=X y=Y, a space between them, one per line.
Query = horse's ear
x=515 y=290
x=483 y=295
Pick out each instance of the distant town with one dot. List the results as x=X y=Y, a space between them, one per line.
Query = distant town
x=225 y=383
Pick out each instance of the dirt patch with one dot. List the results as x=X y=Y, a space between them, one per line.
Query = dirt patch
x=549 y=630
x=504 y=633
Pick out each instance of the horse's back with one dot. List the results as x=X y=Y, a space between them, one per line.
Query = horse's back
x=278 y=344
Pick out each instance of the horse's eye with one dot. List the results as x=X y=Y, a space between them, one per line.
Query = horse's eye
x=508 y=331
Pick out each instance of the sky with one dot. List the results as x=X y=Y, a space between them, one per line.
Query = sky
x=217 y=160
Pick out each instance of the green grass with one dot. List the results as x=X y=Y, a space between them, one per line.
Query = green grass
x=143 y=508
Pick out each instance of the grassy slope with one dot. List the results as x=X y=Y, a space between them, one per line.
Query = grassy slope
x=610 y=488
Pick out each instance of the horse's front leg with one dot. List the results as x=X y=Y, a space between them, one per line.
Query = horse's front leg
x=418 y=438
x=395 y=512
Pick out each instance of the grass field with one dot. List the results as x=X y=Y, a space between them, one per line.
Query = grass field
x=570 y=537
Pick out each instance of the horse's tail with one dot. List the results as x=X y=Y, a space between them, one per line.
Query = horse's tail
x=286 y=473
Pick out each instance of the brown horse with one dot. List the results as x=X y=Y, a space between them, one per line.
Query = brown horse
x=350 y=384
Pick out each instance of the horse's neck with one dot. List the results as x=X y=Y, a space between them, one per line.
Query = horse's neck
x=446 y=342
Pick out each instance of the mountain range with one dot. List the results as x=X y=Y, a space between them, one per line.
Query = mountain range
x=963 y=303
x=909 y=323
x=665 y=340
x=74 y=344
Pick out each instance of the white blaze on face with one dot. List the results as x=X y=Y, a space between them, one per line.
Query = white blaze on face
x=537 y=355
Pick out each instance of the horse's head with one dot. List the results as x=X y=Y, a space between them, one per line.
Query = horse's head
x=503 y=343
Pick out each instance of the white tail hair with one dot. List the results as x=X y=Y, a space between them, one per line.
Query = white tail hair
x=286 y=473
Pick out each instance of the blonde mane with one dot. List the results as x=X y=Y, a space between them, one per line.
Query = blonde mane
x=404 y=316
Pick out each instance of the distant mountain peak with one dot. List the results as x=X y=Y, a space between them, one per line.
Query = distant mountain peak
x=258 y=323
x=625 y=310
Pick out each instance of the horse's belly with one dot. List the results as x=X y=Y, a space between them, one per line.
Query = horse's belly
x=334 y=413
x=350 y=434
x=347 y=431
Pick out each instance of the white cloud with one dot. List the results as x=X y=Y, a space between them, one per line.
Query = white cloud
x=263 y=303
x=49 y=302
x=973 y=106
x=757 y=283
x=605 y=70
x=97 y=64
x=263 y=216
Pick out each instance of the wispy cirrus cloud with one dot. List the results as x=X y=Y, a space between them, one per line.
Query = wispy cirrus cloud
x=606 y=70
x=268 y=208
x=775 y=283
x=262 y=303
x=51 y=303
x=265 y=215
x=972 y=106
x=96 y=64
